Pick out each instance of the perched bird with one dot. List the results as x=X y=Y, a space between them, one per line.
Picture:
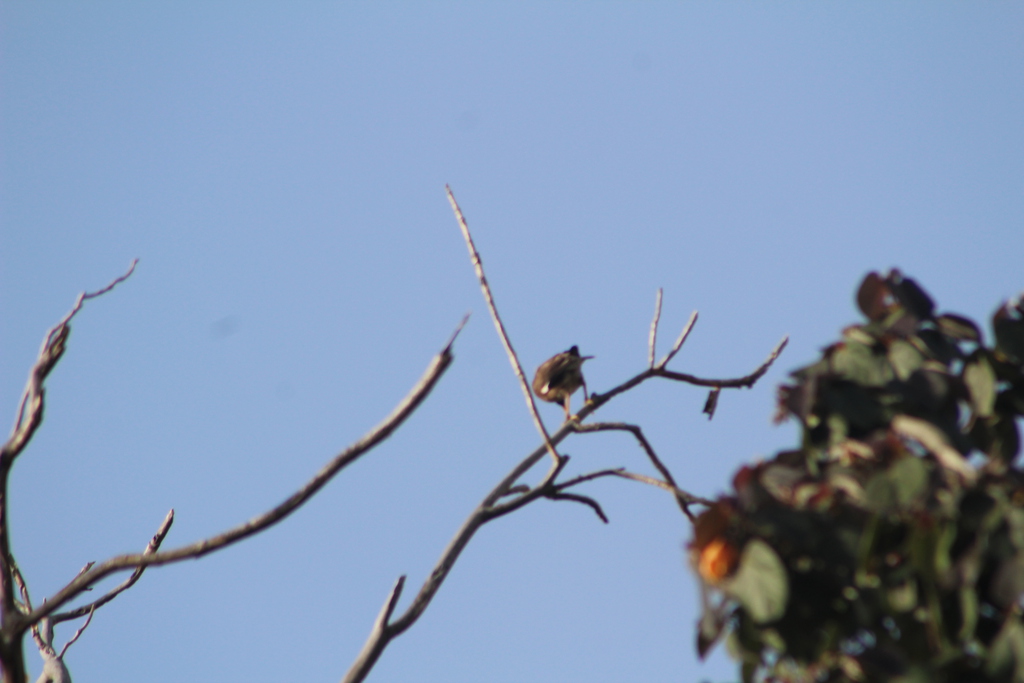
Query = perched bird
x=559 y=377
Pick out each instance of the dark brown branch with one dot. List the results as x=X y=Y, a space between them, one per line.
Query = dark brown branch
x=646 y=445
x=151 y=547
x=382 y=431
x=517 y=368
x=586 y=500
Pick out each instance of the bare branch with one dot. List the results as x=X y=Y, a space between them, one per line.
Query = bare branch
x=27 y=420
x=151 y=547
x=646 y=445
x=588 y=477
x=378 y=639
x=652 y=481
x=78 y=633
x=651 y=342
x=586 y=500
x=487 y=510
x=49 y=353
x=517 y=367
x=545 y=487
x=741 y=382
x=19 y=580
x=195 y=550
x=679 y=341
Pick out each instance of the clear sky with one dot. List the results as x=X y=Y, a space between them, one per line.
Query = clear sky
x=279 y=171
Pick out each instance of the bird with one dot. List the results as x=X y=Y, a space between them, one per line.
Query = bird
x=559 y=377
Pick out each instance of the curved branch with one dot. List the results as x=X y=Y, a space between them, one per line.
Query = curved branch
x=646 y=445
x=382 y=431
x=586 y=500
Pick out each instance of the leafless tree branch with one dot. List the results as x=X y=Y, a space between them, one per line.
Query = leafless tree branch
x=643 y=479
x=517 y=367
x=151 y=547
x=680 y=340
x=586 y=500
x=77 y=635
x=646 y=445
x=744 y=382
x=384 y=630
x=27 y=420
x=382 y=431
x=653 y=338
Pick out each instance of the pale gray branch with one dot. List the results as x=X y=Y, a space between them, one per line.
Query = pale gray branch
x=653 y=338
x=517 y=367
x=680 y=340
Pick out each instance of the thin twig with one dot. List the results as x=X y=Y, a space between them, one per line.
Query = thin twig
x=646 y=445
x=651 y=341
x=652 y=481
x=151 y=547
x=78 y=633
x=586 y=500
x=19 y=580
x=742 y=382
x=372 y=438
x=517 y=367
x=680 y=340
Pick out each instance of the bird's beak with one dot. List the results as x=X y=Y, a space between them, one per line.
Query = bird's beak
x=583 y=358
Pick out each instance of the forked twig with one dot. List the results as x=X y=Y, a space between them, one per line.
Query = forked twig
x=648 y=449
x=517 y=367
x=744 y=382
x=151 y=547
x=27 y=419
x=379 y=433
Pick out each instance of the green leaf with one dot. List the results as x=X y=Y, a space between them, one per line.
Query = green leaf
x=980 y=379
x=859 y=364
x=958 y=327
x=761 y=584
x=905 y=358
x=898 y=487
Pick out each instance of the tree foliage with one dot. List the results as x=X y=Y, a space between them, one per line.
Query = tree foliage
x=890 y=545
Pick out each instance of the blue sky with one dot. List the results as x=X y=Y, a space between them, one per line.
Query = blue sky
x=279 y=171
